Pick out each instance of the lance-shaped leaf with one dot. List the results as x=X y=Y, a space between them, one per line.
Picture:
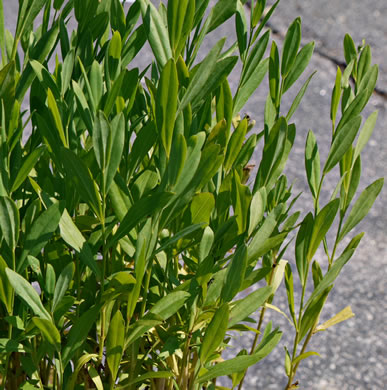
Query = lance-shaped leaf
x=73 y=237
x=176 y=13
x=201 y=207
x=256 y=210
x=40 y=233
x=145 y=207
x=302 y=246
x=312 y=163
x=27 y=166
x=235 y=274
x=222 y=11
x=331 y=275
x=77 y=171
x=343 y=315
x=56 y=116
x=290 y=48
x=274 y=74
x=235 y=144
x=241 y=363
x=298 y=98
x=6 y=290
x=166 y=104
x=9 y=221
x=312 y=313
x=362 y=206
x=302 y=60
x=28 y=294
x=250 y=85
x=215 y=333
x=342 y=142
x=202 y=75
x=336 y=93
x=365 y=134
x=49 y=331
x=157 y=32
x=248 y=305
x=263 y=233
x=78 y=333
x=115 y=343
x=241 y=202
x=322 y=223
x=62 y=284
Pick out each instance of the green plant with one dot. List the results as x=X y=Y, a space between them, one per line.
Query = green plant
x=128 y=222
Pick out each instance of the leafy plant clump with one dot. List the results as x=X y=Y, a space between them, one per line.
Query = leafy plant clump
x=128 y=219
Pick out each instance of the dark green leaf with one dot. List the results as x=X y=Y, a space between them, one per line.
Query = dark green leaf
x=322 y=223
x=49 y=331
x=291 y=44
x=312 y=163
x=215 y=333
x=62 y=284
x=115 y=343
x=362 y=206
x=342 y=142
x=9 y=221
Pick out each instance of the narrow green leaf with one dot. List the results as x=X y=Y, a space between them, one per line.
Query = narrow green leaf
x=77 y=171
x=304 y=356
x=176 y=13
x=361 y=207
x=290 y=292
x=250 y=85
x=145 y=207
x=241 y=363
x=177 y=159
x=312 y=313
x=27 y=293
x=302 y=246
x=101 y=133
x=40 y=232
x=156 y=32
x=206 y=243
x=73 y=237
x=244 y=307
x=301 y=62
x=215 y=333
x=241 y=29
x=63 y=283
x=201 y=77
x=291 y=44
x=263 y=233
x=115 y=46
x=170 y=304
x=256 y=211
x=331 y=275
x=235 y=274
x=365 y=134
x=27 y=166
x=78 y=333
x=364 y=62
x=322 y=223
x=201 y=207
x=6 y=290
x=115 y=343
x=56 y=116
x=49 y=331
x=342 y=142
x=274 y=74
x=9 y=221
x=222 y=11
x=166 y=104
x=350 y=52
x=235 y=144
x=336 y=93
x=298 y=98
x=312 y=163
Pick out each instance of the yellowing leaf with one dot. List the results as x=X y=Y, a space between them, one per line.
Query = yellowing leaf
x=343 y=315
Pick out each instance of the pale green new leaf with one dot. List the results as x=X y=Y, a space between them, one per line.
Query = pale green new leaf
x=49 y=331
x=115 y=343
x=28 y=294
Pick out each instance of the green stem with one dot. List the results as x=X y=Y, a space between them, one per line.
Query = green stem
x=259 y=326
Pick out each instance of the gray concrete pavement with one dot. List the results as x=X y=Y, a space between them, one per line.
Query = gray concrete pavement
x=353 y=354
